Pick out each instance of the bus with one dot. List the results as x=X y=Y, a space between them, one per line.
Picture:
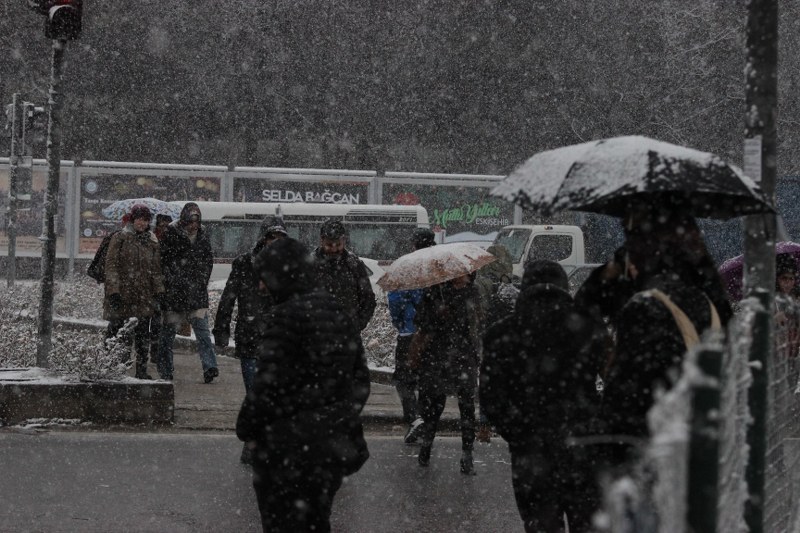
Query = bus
x=377 y=233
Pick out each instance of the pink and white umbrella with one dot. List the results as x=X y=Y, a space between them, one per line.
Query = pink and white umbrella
x=434 y=265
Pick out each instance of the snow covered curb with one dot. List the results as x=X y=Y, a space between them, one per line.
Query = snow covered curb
x=33 y=393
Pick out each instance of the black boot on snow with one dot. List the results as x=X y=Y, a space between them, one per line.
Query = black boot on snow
x=424 y=458
x=467 y=466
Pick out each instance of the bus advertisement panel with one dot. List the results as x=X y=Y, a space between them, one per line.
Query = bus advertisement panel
x=312 y=192
x=463 y=213
x=101 y=190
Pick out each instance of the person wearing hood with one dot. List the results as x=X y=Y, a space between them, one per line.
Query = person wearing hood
x=537 y=388
x=187 y=260
x=302 y=413
x=134 y=285
x=343 y=274
x=680 y=295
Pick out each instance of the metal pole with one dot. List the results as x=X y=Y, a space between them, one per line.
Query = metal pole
x=48 y=236
x=11 y=216
x=759 y=253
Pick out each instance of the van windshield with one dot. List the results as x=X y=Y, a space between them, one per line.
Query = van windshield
x=551 y=247
x=514 y=240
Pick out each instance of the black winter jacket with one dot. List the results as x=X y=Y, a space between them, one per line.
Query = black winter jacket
x=187 y=268
x=540 y=364
x=311 y=385
x=347 y=279
x=254 y=306
x=649 y=354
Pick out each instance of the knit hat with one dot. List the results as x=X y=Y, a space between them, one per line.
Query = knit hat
x=140 y=211
x=423 y=238
x=544 y=271
x=332 y=229
x=272 y=225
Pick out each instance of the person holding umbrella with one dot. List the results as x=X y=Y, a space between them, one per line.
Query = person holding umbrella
x=680 y=296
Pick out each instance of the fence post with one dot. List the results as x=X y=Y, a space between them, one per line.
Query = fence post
x=704 y=442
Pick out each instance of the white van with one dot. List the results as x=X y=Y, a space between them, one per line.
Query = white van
x=560 y=243
x=381 y=233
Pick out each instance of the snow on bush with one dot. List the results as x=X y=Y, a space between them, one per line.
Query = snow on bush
x=83 y=353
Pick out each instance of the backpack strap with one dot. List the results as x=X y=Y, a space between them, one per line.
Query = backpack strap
x=685 y=325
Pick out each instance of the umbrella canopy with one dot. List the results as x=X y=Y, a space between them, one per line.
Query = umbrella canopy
x=732 y=270
x=433 y=265
x=609 y=175
x=120 y=208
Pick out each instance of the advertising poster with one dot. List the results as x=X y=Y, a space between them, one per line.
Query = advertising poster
x=463 y=213
x=29 y=221
x=321 y=192
x=99 y=191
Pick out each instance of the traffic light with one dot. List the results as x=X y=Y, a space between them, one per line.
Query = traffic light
x=33 y=120
x=63 y=20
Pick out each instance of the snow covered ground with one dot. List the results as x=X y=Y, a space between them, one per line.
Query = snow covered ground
x=81 y=353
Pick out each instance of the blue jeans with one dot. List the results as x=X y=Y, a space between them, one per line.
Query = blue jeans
x=167 y=339
x=248 y=372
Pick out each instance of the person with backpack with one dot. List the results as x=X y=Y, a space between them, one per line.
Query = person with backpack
x=187 y=260
x=134 y=284
x=343 y=274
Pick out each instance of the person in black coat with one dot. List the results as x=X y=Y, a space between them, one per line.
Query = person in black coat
x=670 y=257
x=302 y=413
x=254 y=304
x=537 y=388
x=444 y=350
x=186 y=260
x=341 y=273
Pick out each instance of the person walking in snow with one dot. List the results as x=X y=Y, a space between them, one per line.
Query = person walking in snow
x=402 y=309
x=186 y=260
x=343 y=274
x=445 y=352
x=537 y=387
x=134 y=285
x=162 y=221
x=680 y=296
x=254 y=305
x=302 y=411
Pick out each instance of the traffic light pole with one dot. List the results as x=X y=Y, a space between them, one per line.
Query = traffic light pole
x=48 y=236
x=11 y=216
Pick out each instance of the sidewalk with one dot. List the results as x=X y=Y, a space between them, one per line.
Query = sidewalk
x=214 y=406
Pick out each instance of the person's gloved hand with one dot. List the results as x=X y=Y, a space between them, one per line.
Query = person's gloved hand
x=221 y=339
x=115 y=301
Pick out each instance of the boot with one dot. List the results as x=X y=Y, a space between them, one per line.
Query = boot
x=141 y=372
x=467 y=466
x=424 y=458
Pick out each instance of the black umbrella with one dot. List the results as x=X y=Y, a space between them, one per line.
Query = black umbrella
x=610 y=175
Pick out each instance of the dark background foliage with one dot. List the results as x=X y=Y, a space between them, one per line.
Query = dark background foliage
x=457 y=86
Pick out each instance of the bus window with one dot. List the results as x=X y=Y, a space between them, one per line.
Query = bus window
x=382 y=243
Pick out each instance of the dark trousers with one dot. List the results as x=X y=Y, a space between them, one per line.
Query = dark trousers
x=295 y=497
x=432 y=398
x=140 y=338
x=546 y=487
x=155 y=331
x=405 y=379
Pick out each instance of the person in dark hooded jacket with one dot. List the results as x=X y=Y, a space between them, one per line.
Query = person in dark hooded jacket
x=302 y=413
x=673 y=267
x=537 y=388
x=186 y=260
